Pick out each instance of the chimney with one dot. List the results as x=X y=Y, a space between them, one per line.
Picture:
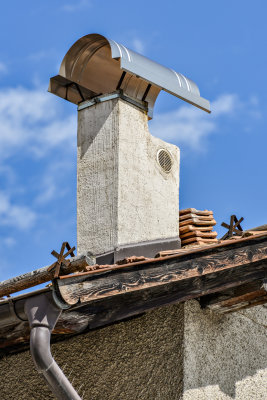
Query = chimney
x=128 y=180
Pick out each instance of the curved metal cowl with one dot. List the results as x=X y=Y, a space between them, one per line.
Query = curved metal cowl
x=95 y=65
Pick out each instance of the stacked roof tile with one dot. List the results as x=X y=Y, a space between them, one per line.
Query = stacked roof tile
x=196 y=227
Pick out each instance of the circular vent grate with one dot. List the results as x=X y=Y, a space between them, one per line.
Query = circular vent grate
x=165 y=160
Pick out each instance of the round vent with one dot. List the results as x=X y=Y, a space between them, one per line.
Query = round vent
x=164 y=160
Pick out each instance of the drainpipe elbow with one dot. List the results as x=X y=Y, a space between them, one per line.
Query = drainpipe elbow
x=40 y=348
x=43 y=314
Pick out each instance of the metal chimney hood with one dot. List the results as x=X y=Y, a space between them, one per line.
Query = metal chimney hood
x=95 y=65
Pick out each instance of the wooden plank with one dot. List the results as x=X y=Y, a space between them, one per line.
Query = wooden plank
x=259 y=228
x=189 y=251
x=77 y=264
x=192 y=276
x=244 y=304
x=110 y=308
x=42 y=275
x=236 y=298
x=253 y=233
x=114 y=295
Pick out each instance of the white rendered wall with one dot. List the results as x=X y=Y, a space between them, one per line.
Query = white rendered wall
x=97 y=178
x=123 y=196
x=148 y=201
x=225 y=356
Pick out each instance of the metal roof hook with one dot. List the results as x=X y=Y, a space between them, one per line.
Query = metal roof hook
x=43 y=314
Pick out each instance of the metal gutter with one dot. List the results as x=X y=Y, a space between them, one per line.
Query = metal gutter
x=12 y=308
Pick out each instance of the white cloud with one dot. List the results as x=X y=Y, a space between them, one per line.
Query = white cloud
x=32 y=121
x=9 y=241
x=53 y=181
x=48 y=189
x=39 y=55
x=138 y=45
x=7 y=174
x=18 y=216
x=32 y=124
x=77 y=6
x=254 y=101
x=189 y=125
x=3 y=68
x=225 y=104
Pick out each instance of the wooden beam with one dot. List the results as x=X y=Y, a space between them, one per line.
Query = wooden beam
x=231 y=269
x=118 y=294
x=43 y=275
x=243 y=296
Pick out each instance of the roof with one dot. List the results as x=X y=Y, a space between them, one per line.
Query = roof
x=96 y=65
x=225 y=277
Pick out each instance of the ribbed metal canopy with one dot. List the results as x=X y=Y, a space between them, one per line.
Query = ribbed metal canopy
x=95 y=65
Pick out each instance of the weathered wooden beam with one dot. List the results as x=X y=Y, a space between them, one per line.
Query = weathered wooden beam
x=244 y=296
x=118 y=294
x=43 y=275
x=128 y=304
x=249 y=255
x=111 y=295
x=257 y=301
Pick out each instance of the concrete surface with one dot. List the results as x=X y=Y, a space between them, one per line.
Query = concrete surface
x=225 y=356
x=123 y=195
x=138 y=359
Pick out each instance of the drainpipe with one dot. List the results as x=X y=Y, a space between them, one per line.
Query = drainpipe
x=43 y=314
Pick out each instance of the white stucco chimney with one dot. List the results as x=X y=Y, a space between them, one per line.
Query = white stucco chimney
x=128 y=183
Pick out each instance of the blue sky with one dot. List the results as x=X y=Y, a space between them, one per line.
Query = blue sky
x=219 y=45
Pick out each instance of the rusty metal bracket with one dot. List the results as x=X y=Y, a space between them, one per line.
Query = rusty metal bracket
x=61 y=258
x=234 y=229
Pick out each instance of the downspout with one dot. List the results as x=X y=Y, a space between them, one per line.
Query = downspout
x=43 y=313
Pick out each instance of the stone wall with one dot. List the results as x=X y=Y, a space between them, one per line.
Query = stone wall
x=141 y=358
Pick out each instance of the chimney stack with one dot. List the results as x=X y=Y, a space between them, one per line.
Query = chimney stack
x=128 y=180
